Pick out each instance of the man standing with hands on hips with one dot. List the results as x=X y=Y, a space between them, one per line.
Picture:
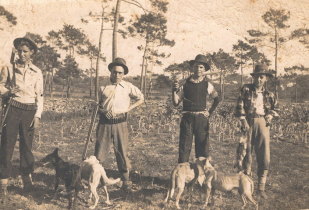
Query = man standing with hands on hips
x=195 y=119
x=21 y=87
x=115 y=103
x=256 y=106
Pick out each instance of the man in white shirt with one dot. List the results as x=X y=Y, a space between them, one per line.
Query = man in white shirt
x=115 y=103
x=21 y=88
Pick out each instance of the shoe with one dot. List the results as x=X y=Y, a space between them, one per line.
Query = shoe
x=27 y=182
x=262 y=194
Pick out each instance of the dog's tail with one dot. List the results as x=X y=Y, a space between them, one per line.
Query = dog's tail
x=106 y=180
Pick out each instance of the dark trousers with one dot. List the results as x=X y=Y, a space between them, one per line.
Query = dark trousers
x=197 y=125
x=116 y=135
x=18 y=121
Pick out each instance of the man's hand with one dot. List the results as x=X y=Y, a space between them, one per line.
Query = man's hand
x=109 y=115
x=35 y=123
x=244 y=125
x=268 y=119
x=12 y=92
x=176 y=86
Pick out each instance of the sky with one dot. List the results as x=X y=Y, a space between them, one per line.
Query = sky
x=197 y=26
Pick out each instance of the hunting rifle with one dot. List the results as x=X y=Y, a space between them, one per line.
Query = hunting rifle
x=93 y=117
x=6 y=100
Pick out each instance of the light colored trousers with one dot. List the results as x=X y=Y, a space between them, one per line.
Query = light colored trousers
x=116 y=135
x=260 y=141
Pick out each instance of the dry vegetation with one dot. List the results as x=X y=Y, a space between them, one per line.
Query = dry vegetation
x=154 y=132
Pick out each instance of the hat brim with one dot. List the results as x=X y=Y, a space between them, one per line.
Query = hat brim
x=111 y=65
x=267 y=74
x=207 y=67
x=17 y=42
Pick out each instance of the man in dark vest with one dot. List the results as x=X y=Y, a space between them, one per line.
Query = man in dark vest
x=195 y=120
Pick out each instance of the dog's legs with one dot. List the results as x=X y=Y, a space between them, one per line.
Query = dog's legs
x=207 y=192
x=167 y=196
x=180 y=191
x=96 y=197
x=250 y=198
x=244 y=200
x=107 y=196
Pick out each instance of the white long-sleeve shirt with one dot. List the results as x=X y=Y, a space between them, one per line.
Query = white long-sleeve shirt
x=29 y=81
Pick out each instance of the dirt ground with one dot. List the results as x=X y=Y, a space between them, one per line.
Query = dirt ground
x=153 y=154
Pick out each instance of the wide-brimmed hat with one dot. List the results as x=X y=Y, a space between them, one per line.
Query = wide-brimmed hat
x=200 y=59
x=18 y=41
x=119 y=62
x=261 y=69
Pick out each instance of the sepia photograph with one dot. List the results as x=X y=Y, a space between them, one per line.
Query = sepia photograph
x=154 y=104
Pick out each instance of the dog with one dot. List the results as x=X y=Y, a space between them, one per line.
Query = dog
x=185 y=173
x=65 y=171
x=92 y=171
x=215 y=181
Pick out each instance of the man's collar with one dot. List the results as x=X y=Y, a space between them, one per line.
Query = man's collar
x=29 y=65
x=121 y=83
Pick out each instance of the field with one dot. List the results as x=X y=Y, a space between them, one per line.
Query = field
x=154 y=129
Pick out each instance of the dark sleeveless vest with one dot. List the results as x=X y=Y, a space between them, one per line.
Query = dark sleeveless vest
x=195 y=95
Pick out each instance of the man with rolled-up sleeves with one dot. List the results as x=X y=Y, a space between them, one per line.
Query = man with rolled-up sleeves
x=115 y=103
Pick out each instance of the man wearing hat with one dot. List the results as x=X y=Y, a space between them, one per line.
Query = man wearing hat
x=115 y=103
x=21 y=86
x=256 y=107
x=195 y=119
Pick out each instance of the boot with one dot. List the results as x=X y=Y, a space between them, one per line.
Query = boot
x=27 y=182
x=261 y=184
x=3 y=191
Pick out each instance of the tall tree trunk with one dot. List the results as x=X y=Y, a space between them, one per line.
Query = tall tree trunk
x=145 y=79
x=51 y=85
x=115 y=30
x=143 y=66
x=90 y=91
x=69 y=87
x=241 y=71
x=276 y=62
x=96 y=90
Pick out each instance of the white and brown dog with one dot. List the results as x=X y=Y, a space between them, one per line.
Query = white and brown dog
x=92 y=171
x=215 y=181
x=185 y=173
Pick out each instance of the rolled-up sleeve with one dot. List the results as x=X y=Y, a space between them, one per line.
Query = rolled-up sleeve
x=135 y=93
x=3 y=79
x=39 y=94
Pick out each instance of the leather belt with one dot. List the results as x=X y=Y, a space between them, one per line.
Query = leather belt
x=119 y=118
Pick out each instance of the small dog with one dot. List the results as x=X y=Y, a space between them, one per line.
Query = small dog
x=215 y=181
x=92 y=171
x=186 y=173
x=64 y=171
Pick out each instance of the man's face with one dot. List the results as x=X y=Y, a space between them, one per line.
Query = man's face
x=24 y=53
x=259 y=80
x=198 y=69
x=117 y=74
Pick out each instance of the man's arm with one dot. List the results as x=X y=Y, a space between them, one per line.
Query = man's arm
x=39 y=100
x=177 y=94
x=136 y=94
x=240 y=110
x=216 y=98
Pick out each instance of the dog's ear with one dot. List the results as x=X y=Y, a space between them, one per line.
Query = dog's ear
x=56 y=150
